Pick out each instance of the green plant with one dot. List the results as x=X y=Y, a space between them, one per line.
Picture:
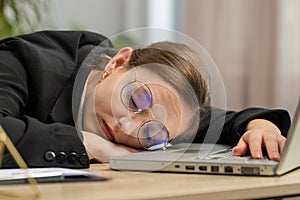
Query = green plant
x=123 y=41
x=21 y=16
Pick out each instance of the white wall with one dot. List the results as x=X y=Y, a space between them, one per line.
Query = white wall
x=107 y=17
x=288 y=57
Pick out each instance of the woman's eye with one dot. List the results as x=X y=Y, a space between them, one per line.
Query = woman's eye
x=136 y=96
x=132 y=104
x=141 y=98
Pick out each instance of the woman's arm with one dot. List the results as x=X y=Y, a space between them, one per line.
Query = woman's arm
x=44 y=145
x=35 y=70
x=23 y=117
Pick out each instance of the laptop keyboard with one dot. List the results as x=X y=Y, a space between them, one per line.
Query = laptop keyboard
x=226 y=156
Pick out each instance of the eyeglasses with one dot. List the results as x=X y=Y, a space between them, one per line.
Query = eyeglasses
x=137 y=97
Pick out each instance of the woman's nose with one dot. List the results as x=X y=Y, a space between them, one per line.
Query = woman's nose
x=159 y=113
x=129 y=121
x=126 y=125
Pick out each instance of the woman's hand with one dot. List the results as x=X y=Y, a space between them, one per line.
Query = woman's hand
x=102 y=150
x=261 y=133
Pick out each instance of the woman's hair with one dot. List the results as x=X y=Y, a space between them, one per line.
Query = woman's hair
x=185 y=73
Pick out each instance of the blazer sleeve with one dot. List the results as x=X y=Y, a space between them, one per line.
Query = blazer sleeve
x=227 y=127
x=41 y=143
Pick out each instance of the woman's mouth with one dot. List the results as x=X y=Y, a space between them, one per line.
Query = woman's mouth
x=107 y=131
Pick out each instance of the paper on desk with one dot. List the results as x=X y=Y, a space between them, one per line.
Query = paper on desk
x=53 y=174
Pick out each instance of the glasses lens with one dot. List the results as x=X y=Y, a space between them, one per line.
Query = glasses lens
x=153 y=135
x=136 y=96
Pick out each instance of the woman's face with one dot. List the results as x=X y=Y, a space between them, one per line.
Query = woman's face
x=120 y=125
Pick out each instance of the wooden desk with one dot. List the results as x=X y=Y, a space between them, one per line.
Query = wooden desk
x=139 y=185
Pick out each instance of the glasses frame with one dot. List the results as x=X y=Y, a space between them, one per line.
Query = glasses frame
x=130 y=109
x=152 y=117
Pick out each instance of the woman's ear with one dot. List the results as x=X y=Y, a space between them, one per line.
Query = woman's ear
x=118 y=60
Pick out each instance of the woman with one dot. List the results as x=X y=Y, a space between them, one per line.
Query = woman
x=40 y=70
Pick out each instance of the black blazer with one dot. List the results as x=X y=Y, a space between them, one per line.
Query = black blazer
x=37 y=73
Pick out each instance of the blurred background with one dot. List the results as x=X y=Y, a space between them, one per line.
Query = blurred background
x=255 y=43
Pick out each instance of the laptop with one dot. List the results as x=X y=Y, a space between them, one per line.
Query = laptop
x=213 y=158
